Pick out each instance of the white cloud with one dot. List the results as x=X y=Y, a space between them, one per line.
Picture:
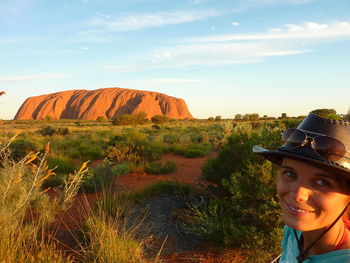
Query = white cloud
x=24 y=78
x=153 y=82
x=239 y=48
x=209 y=54
x=174 y=81
x=235 y=23
x=139 y=21
x=85 y=48
x=308 y=30
x=293 y=2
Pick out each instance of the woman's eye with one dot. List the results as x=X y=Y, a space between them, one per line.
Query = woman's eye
x=322 y=182
x=289 y=174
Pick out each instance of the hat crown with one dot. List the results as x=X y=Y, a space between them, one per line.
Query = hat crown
x=337 y=129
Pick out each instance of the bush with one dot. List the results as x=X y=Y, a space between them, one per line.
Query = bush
x=158 y=168
x=22 y=193
x=20 y=148
x=159 y=119
x=132 y=147
x=244 y=212
x=237 y=152
x=54 y=180
x=128 y=119
x=102 y=176
x=100 y=118
x=63 y=165
x=49 y=131
x=91 y=154
x=249 y=218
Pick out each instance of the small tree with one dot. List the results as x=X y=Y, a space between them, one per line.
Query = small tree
x=211 y=119
x=327 y=113
x=218 y=118
x=347 y=116
x=246 y=117
x=284 y=115
x=254 y=117
x=238 y=117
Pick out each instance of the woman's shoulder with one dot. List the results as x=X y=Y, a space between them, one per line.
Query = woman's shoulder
x=338 y=256
x=290 y=251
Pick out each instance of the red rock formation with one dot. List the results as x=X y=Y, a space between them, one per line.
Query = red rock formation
x=108 y=103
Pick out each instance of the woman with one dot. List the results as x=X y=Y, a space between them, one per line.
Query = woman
x=313 y=187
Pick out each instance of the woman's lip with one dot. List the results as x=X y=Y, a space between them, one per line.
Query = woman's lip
x=297 y=210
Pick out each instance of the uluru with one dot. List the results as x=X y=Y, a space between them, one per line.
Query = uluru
x=106 y=102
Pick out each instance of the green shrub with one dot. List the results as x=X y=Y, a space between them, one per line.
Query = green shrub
x=128 y=119
x=159 y=119
x=178 y=150
x=102 y=176
x=244 y=210
x=158 y=168
x=54 y=180
x=91 y=154
x=170 y=138
x=20 y=148
x=237 y=152
x=100 y=118
x=132 y=147
x=22 y=193
x=49 y=131
x=63 y=165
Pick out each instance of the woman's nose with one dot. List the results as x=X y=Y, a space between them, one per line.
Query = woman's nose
x=301 y=193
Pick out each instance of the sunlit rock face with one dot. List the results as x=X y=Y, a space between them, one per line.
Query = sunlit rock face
x=108 y=103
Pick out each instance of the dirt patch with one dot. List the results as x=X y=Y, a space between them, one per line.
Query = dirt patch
x=188 y=171
x=160 y=223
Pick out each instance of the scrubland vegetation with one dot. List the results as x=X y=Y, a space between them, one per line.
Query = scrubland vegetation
x=238 y=210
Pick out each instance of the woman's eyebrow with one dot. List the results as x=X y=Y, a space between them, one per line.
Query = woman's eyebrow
x=329 y=176
x=287 y=167
x=324 y=175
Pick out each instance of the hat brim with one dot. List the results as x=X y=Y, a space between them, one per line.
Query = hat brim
x=276 y=156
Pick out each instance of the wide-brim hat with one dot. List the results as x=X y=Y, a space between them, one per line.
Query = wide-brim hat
x=315 y=125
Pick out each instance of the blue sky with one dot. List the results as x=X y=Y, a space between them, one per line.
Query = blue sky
x=221 y=56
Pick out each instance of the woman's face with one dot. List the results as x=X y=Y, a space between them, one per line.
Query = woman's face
x=310 y=197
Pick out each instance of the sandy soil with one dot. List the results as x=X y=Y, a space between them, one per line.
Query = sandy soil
x=188 y=171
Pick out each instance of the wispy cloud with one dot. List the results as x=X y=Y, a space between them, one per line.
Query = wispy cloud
x=130 y=22
x=153 y=82
x=264 y=2
x=216 y=54
x=309 y=30
x=14 y=7
x=233 y=49
x=173 y=81
x=24 y=78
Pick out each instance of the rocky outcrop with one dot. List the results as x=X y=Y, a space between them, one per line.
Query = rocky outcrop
x=108 y=103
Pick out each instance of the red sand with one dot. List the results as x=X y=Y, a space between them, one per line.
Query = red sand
x=188 y=171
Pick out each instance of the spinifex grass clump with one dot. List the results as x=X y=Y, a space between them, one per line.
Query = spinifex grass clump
x=133 y=148
x=158 y=168
x=109 y=236
x=26 y=211
x=102 y=176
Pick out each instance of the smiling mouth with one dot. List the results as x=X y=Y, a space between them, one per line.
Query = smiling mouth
x=298 y=211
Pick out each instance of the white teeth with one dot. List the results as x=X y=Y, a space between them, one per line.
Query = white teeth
x=298 y=210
